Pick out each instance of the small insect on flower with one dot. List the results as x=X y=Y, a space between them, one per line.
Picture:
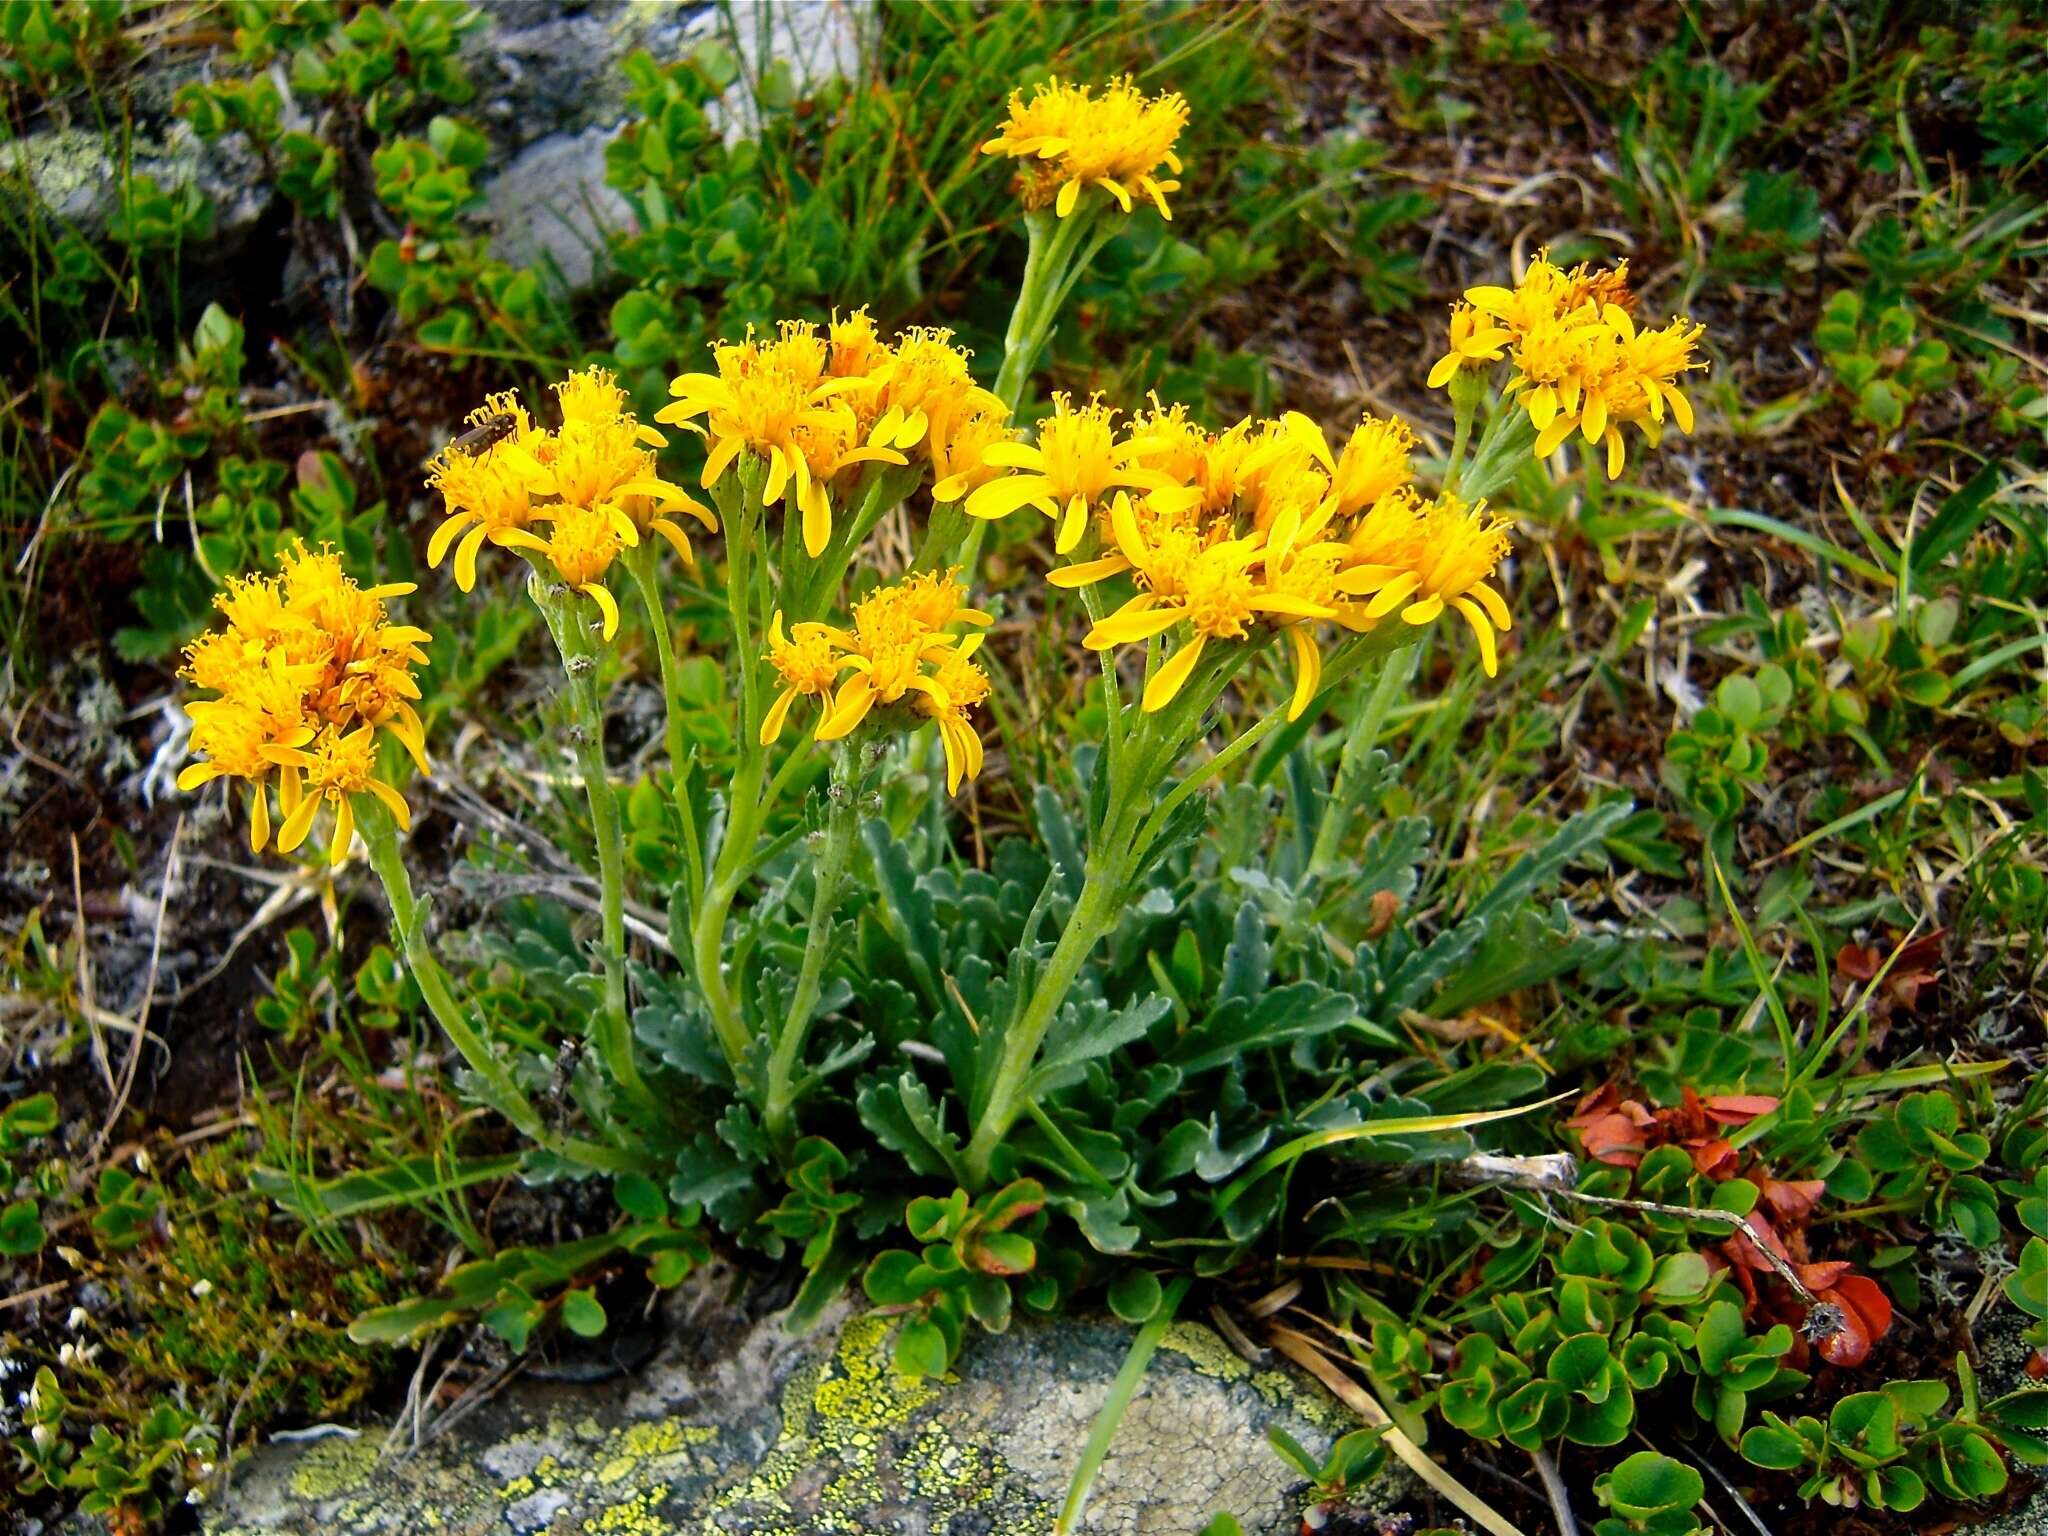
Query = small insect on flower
x=493 y=429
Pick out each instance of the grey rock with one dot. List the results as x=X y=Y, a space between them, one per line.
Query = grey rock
x=551 y=90
x=773 y=1435
x=550 y=206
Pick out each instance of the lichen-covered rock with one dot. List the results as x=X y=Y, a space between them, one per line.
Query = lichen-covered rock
x=778 y=1436
x=69 y=169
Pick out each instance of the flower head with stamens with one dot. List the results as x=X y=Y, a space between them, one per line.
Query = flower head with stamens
x=808 y=663
x=1071 y=139
x=1070 y=472
x=781 y=401
x=899 y=649
x=488 y=492
x=1424 y=558
x=957 y=442
x=963 y=686
x=1475 y=339
x=1582 y=364
x=307 y=673
x=582 y=543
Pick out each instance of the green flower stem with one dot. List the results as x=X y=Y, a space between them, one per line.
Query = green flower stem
x=835 y=853
x=942 y=535
x=1049 y=252
x=1468 y=390
x=1147 y=752
x=640 y=564
x=1057 y=253
x=613 y=1034
x=739 y=503
x=809 y=586
x=1094 y=914
x=380 y=834
x=1362 y=738
x=1504 y=447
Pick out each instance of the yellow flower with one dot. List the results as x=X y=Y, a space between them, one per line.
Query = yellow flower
x=487 y=490
x=778 y=400
x=856 y=349
x=1630 y=377
x=886 y=652
x=1544 y=293
x=808 y=662
x=1475 y=338
x=1070 y=472
x=603 y=457
x=582 y=543
x=957 y=441
x=336 y=765
x=897 y=650
x=963 y=686
x=308 y=660
x=1072 y=138
x=1211 y=586
x=936 y=599
x=1308 y=577
x=1423 y=559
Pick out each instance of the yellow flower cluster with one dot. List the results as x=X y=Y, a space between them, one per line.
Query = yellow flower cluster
x=1072 y=139
x=901 y=646
x=1581 y=362
x=307 y=671
x=1235 y=535
x=591 y=484
x=818 y=406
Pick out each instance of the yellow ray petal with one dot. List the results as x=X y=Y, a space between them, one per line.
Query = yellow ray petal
x=1171 y=678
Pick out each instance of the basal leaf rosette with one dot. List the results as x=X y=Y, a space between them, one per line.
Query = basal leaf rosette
x=819 y=405
x=1075 y=140
x=306 y=674
x=573 y=496
x=1581 y=362
x=909 y=645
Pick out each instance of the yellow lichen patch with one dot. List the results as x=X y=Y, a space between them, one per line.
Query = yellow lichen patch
x=852 y=1414
x=638 y=1516
x=333 y=1467
x=1206 y=1352
x=868 y=1390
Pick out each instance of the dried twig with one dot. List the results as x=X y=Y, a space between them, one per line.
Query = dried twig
x=156 y=946
x=87 y=1003
x=1551 y=1176
x=1554 y=1490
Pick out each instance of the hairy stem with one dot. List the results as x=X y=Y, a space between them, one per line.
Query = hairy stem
x=612 y=1032
x=834 y=854
x=1093 y=916
x=380 y=835
x=1363 y=737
